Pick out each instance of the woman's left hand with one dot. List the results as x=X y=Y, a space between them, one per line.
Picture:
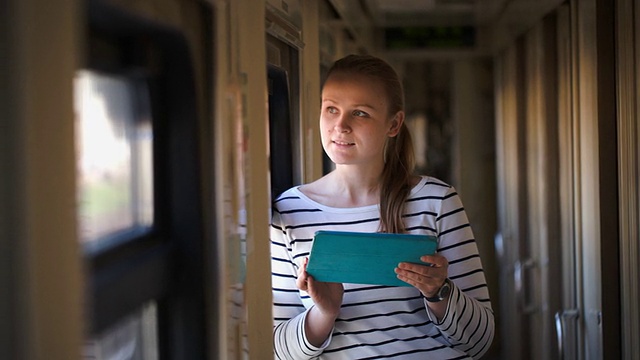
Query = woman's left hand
x=427 y=278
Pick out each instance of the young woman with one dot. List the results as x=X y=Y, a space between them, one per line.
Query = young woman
x=446 y=313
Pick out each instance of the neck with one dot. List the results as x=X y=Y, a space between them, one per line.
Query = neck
x=356 y=187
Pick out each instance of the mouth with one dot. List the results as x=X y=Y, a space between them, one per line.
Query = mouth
x=342 y=143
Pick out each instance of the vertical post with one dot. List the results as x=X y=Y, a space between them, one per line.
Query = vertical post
x=253 y=68
x=310 y=97
x=39 y=251
x=628 y=82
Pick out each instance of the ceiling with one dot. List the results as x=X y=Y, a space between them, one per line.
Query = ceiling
x=392 y=13
x=494 y=23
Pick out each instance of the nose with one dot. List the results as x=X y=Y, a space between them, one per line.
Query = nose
x=342 y=123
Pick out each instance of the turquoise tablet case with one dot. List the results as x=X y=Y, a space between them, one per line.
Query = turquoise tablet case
x=365 y=258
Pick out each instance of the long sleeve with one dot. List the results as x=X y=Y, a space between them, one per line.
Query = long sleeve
x=468 y=324
x=288 y=311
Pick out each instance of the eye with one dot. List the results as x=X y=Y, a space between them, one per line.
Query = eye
x=360 y=113
x=331 y=110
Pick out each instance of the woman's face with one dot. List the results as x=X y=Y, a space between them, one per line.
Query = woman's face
x=354 y=120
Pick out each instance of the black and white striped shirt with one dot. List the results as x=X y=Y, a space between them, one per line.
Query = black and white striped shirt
x=377 y=322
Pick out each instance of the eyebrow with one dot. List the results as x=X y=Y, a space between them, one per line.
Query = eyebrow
x=354 y=105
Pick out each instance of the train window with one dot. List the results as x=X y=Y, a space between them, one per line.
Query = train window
x=133 y=338
x=139 y=187
x=114 y=146
x=284 y=108
x=281 y=157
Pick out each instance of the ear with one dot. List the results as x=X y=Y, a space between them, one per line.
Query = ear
x=396 y=124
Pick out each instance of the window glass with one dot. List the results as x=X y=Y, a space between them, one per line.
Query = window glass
x=114 y=141
x=132 y=338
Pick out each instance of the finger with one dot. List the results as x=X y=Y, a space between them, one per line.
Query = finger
x=435 y=260
x=413 y=279
x=414 y=276
x=424 y=274
x=410 y=274
x=302 y=283
x=305 y=261
x=421 y=275
x=425 y=285
x=303 y=278
x=421 y=269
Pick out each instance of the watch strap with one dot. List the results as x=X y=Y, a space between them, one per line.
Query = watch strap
x=442 y=293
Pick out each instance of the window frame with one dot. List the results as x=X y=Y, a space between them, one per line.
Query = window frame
x=165 y=264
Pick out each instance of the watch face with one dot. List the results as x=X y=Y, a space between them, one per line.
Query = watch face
x=445 y=290
x=442 y=293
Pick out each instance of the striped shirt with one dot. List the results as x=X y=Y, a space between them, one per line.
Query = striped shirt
x=377 y=322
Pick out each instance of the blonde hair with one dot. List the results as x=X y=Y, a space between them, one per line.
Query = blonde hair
x=399 y=159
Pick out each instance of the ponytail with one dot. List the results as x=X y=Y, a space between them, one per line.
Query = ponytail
x=396 y=181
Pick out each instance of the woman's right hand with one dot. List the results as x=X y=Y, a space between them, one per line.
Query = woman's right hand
x=328 y=300
x=326 y=296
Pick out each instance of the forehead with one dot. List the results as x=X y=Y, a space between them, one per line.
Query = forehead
x=352 y=88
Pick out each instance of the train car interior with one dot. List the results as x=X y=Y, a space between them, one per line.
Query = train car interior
x=143 y=142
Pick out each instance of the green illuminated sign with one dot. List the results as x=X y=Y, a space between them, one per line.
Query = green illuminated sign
x=430 y=37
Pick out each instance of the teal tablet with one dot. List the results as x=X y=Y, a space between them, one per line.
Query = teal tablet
x=365 y=258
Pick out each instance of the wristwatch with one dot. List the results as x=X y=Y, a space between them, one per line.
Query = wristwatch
x=444 y=291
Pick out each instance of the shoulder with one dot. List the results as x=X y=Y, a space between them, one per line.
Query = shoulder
x=431 y=186
x=288 y=197
x=295 y=198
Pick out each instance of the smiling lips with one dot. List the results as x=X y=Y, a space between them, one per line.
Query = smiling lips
x=342 y=143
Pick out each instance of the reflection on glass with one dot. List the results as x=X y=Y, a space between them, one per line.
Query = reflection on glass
x=114 y=141
x=133 y=338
